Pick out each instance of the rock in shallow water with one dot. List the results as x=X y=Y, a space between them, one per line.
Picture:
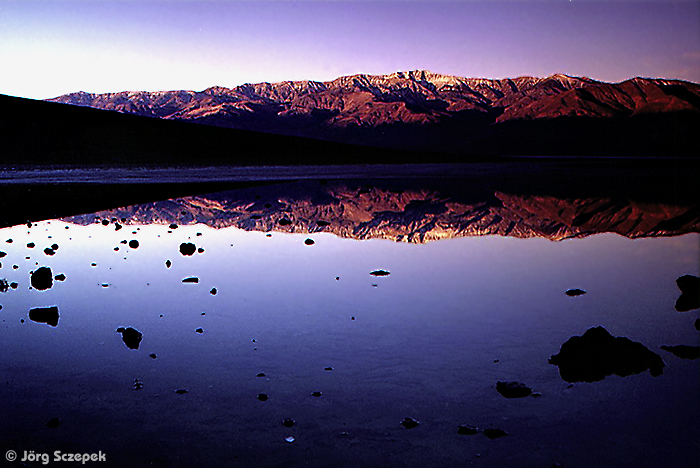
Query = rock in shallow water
x=42 y=278
x=493 y=433
x=47 y=315
x=597 y=354
x=575 y=292
x=690 y=293
x=683 y=351
x=513 y=389
x=131 y=337
x=380 y=273
x=188 y=248
x=467 y=430
x=409 y=423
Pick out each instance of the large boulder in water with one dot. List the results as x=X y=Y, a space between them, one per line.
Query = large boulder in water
x=47 y=315
x=42 y=278
x=690 y=293
x=597 y=354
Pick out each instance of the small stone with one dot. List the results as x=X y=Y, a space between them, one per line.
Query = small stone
x=309 y=242
x=54 y=246
x=53 y=423
x=168 y=263
x=329 y=368
x=105 y=222
x=31 y=245
x=199 y=330
x=191 y=279
x=261 y=374
x=409 y=423
x=152 y=356
x=134 y=244
x=316 y=394
x=262 y=396
x=117 y=226
x=138 y=385
x=467 y=430
x=173 y=226
x=288 y=422
x=492 y=433
x=187 y=249
x=181 y=391
x=213 y=291
x=575 y=292
x=380 y=273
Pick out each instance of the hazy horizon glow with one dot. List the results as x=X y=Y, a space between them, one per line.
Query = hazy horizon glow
x=49 y=48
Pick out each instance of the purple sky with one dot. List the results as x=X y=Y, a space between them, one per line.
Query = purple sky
x=52 y=47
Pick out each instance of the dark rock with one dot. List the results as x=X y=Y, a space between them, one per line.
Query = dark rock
x=191 y=279
x=47 y=315
x=173 y=226
x=597 y=354
x=284 y=222
x=131 y=337
x=213 y=291
x=60 y=277
x=42 y=278
x=2 y=254
x=380 y=273
x=138 y=385
x=575 y=292
x=467 y=430
x=54 y=246
x=262 y=396
x=288 y=422
x=493 y=433
x=690 y=293
x=168 y=263
x=261 y=374
x=49 y=251
x=105 y=222
x=309 y=242
x=409 y=423
x=134 y=244
x=316 y=394
x=181 y=391
x=200 y=330
x=53 y=423
x=188 y=248
x=117 y=226
x=31 y=245
x=152 y=355
x=124 y=241
x=513 y=389
x=200 y=250
x=13 y=285
x=683 y=351
x=329 y=368
x=4 y=285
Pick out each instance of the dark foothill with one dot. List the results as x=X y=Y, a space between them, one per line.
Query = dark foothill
x=575 y=292
x=288 y=422
x=168 y=264
x=4 y=285
x=42 y=278
x=492 y=433
x=60 y=277
x=597 y=354
x=49 y=251
x=409 y=423
x=513 y=389
x=690 y=293
x=200 y=330
x=134 y=244
x=284 y=222
x=316 y=394
x=181 y=391
x=213 y=291
x=467 y=430
x=131 y=337
x=380 y=273
x=47 y=315
x=191 y=279
x=309 y=242
x=683 y=351
x=138 y=385
x=187 y=248
x=31 y=245
x=262 y=396
x=261 y=374
x=152 y=355
x=53 y=423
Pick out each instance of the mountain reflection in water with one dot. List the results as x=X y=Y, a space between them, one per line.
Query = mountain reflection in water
x=252 y=328
x=401 y=210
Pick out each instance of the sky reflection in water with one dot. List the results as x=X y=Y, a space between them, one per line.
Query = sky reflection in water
x=429 y=341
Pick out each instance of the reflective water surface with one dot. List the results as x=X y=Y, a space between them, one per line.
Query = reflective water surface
x=270 y=327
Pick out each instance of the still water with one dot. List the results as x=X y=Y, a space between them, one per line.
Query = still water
x=345 y=354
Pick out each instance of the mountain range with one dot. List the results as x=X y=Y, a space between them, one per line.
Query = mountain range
x=424 y=111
